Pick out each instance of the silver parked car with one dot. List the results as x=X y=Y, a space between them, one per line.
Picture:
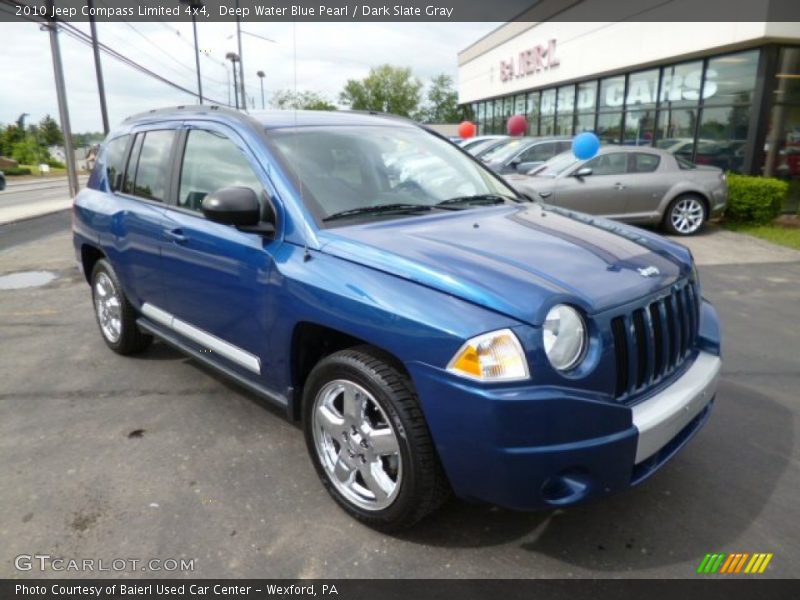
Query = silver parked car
x=638 y=185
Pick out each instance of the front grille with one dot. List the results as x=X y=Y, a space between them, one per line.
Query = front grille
x=653 y=340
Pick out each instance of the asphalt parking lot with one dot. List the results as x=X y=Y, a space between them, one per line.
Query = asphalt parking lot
x=154 y=457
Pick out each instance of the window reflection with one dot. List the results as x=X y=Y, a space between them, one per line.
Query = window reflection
x=731 y=79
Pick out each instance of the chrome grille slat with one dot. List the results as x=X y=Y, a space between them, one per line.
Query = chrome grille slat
x=652 y=340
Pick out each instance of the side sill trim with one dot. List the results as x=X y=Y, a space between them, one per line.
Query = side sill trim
x=275 y=398
x=212 y=342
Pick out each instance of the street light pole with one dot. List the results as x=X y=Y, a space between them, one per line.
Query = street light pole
x=261 y=77
x=234 y=58
x=63 y=109
x=98 y=69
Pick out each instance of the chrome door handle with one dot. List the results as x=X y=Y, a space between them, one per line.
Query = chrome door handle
x=619 y=186
x=176 y=235
x=545 y=194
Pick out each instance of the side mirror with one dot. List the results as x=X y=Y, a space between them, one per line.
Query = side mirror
x=583 y=172
x=236 y=206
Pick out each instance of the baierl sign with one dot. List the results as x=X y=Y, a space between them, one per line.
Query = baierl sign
x=676 y=87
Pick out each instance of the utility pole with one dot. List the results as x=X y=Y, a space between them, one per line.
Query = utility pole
x=63 y=109
x=239 y=42
x=261 y=77
x=98 y=68
x=234 y=58
x=194 y=6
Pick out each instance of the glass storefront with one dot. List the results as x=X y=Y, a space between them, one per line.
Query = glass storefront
x=699 y=109
x=782 y=146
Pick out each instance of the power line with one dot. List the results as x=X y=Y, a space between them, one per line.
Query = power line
x=85 y=38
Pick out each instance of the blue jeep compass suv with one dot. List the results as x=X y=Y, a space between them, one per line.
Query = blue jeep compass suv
x=433 y=330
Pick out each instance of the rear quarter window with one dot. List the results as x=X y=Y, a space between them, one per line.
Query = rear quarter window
x=115 y=161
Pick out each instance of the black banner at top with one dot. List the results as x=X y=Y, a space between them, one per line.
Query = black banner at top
x=401 y=10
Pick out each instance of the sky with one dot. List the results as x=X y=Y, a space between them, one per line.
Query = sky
x=305 y=56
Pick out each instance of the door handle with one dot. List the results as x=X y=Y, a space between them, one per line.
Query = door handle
x=176 y=235
x=619 y=186
x=545 y=194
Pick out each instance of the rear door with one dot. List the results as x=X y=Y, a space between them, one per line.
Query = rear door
x=645 y=184
x=216 y=277
x=136 y=225
x=601 y=193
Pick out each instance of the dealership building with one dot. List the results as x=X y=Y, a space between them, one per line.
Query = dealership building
x=726 y=94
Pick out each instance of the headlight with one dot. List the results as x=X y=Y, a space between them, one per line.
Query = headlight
x=494 y=356
x=564 y=337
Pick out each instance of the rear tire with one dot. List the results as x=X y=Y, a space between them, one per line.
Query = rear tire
x=369 y=441
x=685 y=215
x=115 y=316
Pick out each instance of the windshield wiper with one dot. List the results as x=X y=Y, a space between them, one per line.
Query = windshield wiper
x=477 y=199
x=376 y=210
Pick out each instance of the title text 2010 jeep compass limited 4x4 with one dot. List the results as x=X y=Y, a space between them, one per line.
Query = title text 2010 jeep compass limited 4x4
x=432 y=329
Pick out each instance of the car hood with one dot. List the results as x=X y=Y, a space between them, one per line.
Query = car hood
x=517 y=260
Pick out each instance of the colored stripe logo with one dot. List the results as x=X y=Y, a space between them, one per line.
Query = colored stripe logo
x=735 y=563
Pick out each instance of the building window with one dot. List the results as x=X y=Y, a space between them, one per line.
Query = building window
x=681 y=84
x=533 y=113
x=642 y=90
x=584 y=122
x=640 y=127
x=565 y=110
x=675 y=131
x=722 y=137
x=498 y=116
x=731 y=79
x=587 y=96
x=519 y=104
x=782 y=157
x=609 y=127
x=612 y=93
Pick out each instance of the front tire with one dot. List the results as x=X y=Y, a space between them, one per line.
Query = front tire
x=685 y=215
x=369 y=441
x=114 y=314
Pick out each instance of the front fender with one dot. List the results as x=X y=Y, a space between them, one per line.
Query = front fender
x=411 y=321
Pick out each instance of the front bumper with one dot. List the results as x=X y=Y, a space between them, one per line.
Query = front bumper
x=535 y=447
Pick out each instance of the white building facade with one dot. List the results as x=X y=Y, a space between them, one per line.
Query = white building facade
x=726 y=94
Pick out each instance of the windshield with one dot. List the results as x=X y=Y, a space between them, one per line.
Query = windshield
x=556 y=165
x=356 y=169
x=504 y=151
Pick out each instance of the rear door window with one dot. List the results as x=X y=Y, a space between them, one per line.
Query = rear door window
x=148 y=171
x=641 y=162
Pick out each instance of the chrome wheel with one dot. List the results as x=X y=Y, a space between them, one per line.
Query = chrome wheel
x=108 y=305
x=357 y=445
x=687 y=215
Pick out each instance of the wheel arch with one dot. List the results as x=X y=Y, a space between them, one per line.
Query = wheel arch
x=310 y=343
x=89 y=256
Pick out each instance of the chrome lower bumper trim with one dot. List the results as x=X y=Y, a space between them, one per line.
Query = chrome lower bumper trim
x=662 y=417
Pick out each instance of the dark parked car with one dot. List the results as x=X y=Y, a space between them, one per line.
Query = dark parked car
x=520 y=155
x=431 y=329
x=2 y=181
x=635 y=184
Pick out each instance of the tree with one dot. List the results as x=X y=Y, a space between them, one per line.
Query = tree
x=306 y=100
x=386 y=89
x=442 y=102
x=50 y=132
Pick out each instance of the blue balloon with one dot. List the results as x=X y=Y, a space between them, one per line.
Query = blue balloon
x=585 y=145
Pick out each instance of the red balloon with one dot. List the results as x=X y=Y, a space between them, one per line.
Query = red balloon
x=517 y=125
x=466 y=129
